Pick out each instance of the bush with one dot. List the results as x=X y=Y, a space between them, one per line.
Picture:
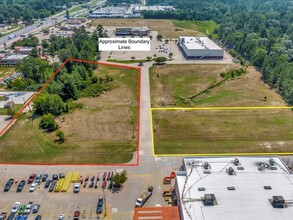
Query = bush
x=71 y=106
x=119 y=178
x=60 y=135
x=48 y=122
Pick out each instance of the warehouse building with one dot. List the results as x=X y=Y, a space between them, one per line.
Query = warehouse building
x=229 y=188
x=132 y=31
x=12 y=60
x=200 y=48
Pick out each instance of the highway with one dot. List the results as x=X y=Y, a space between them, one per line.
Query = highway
x=46 y=23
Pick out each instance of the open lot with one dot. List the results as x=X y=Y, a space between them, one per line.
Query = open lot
x=103 y=132
x=223 y=131
x=181 y=85
x=164 y=27
x=171 y=82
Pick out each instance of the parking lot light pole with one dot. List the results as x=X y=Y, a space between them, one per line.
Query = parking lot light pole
x=105 y=202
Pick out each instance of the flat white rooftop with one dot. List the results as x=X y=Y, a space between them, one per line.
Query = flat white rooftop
x=199 y=43
x=249 y=200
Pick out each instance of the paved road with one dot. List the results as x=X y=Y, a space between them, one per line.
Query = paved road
x=46 y=23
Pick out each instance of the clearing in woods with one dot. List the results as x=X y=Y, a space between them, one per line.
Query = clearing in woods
x=104 y=131
x=164 y=27
x=216 y=131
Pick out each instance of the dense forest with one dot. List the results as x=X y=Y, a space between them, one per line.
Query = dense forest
x=13 y=11
x=261 y=31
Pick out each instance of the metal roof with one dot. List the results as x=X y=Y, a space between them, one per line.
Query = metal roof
x=249 y=200
x=199 y=43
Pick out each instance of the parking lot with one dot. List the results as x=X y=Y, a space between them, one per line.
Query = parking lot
x=119 y=203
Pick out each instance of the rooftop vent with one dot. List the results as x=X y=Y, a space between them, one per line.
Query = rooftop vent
x=240 y=168
x=272 y=161
x=201 y=189
x=236 y=162
x=262 y=166
x=231 y=188
x=231 y=171
x=209 y=199
x=267 y=187
x=278 y=202
x=206 y=165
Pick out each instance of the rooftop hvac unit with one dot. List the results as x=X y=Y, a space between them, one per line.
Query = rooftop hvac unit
x=206 y=165
x=272 y=161
x=209 y=199
x=278 y=202
x=236 y=161
x=231 y=171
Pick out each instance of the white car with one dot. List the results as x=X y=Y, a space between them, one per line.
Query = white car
x=15 y=207
x=76 y=188
x=61 y=217
x=33 y=187
x=28 y=207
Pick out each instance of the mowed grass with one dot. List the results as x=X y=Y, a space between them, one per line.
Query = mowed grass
x=166 y=28
x=223 y=131
x=100 y=133
x=171 y=82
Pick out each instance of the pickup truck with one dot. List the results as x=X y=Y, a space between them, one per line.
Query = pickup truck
x=144 y=197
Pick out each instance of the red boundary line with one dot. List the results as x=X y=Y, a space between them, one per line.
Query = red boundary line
x=44 y=86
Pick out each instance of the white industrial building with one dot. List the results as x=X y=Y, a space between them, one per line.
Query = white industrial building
x=200 y=48
x=229 y=188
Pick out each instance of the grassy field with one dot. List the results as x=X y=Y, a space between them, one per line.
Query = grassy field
x=75 y=9
x=223 y=131
x=215 y=131
x=99 y=133
x=206 y=27
x=126 y=61
x=6 y=72
x=166 y=28
x=178 y=83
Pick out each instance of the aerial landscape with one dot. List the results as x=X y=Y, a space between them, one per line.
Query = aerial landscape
x=146 y=109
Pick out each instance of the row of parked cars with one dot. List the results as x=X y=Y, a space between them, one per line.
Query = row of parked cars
x=34 y=180
x=102 y=178
x=21 y=211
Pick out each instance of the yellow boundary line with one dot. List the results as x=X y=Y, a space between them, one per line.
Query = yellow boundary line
x=215 y=108
x=222 y=108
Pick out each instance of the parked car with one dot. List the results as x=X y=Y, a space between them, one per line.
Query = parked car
x=3 y=215
x=100 y=205
x=47 y=184
x=104 y=176
x=8 y=185
x=91 y=185
x=38 y=217
x=108 y=176
x=98 y=176
x=20 y=186
x=44 y=177
x=104 y=184
x=76 y=215
x=33 y=186
x=38 y=178
x=52 y=185
x=11 y=216
x=110 y=184
x=15 y=207
x=76 y=188
x=21 y=209
x=54 y=177
x=31 y=178
x=17 y=217
x=28 y=207
x=61 y=175
x=61 y=217
x=36 y=208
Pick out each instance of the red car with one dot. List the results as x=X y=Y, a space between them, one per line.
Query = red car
x=31 y=178
x=105 y=176
x=104 y=184
x=76 y=215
